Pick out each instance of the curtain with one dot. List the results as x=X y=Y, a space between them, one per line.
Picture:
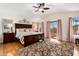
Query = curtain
x=45 y=29
x=70 y=30
x=78 y=30
x=48 y=30
x=34 y=26
x=38 y=27
x=42 y=27
x=59 y=30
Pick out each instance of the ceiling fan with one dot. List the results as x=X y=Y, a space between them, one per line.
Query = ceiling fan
x=41 y=7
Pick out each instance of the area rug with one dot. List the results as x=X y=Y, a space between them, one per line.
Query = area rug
x=46 y=48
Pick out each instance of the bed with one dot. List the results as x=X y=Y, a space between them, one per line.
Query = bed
x=76 y=39
x=26 y=36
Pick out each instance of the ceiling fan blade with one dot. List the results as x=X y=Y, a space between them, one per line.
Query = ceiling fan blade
x=37 y=10
x=35 y=6
x=46 y=8
x=42 y=4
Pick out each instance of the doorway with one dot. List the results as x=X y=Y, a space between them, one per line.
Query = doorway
x=53 y=25
x=76 y=29
x=76 y=25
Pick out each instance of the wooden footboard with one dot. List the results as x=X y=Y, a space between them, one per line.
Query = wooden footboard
x=32 y=39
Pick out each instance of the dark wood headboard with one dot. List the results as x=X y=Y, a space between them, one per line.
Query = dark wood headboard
x=20 y=26
x=23 y=25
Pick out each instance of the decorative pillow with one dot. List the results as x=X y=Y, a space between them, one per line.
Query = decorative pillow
x=25 y=30
x=17 y=30
x=30 y=30
x=21 y=30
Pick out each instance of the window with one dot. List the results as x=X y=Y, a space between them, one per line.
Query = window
x=53 y=29
x=76 y=25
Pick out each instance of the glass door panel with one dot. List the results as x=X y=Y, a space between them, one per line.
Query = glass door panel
x=76 y=25
x=53 y=29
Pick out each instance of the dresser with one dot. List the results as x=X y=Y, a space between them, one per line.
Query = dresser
x=8 y=37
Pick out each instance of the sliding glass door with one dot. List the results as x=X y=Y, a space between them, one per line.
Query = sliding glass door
x=53 y=25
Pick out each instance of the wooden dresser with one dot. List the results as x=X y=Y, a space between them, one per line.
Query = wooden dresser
x=8 y=37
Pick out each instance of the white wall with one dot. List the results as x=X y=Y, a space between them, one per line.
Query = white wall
x=9 y=15
x=15 y=11
x=8 y=11
x=20 y=11
x=64 y=17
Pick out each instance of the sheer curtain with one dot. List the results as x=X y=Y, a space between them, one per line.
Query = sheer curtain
x=70 y=30
x=43 y=27
x=34 y=26
x=38 y=26
x=78 y=30
x=48 y=30
x=59 y=30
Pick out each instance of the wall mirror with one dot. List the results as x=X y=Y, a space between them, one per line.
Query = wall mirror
x=7 y=25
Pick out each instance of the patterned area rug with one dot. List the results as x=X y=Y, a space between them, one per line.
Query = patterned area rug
x=46 y=48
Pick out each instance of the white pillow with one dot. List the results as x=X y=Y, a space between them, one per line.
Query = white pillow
x=17 y=33
x=17 y=30
x=21 y=30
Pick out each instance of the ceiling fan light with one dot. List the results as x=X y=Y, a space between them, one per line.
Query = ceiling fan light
x=43 y=11
x=40 y=9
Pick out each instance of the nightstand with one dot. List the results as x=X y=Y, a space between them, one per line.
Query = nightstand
x=8 y=37
x=76 y=41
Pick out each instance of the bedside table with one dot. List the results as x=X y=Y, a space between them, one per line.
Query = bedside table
x=8 y=37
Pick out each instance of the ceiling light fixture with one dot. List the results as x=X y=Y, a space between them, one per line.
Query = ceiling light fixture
x=41 y=7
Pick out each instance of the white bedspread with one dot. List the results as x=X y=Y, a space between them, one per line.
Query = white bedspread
x=76 y=37
x=21 y=35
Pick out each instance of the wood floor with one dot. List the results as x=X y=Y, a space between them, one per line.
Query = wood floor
x=76 y=50
x=9 y=49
